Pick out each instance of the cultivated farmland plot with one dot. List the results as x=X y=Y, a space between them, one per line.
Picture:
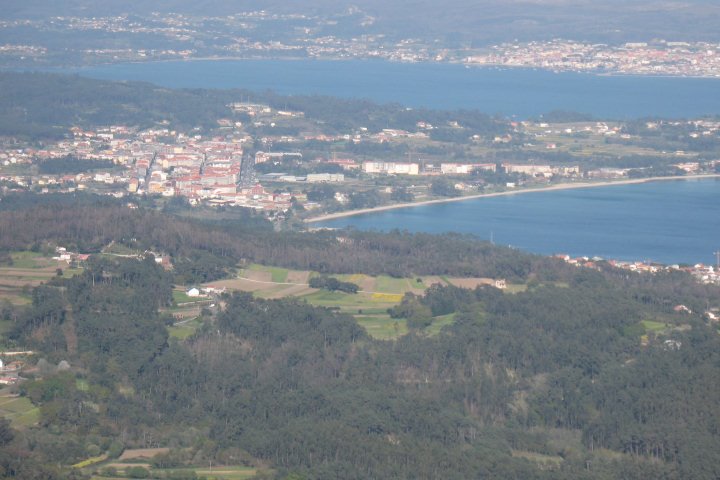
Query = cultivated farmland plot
x=369 y=306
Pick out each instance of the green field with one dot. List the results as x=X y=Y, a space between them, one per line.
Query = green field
x=653 y=326
x=19 y=410
x=369 y=306
x=118 y=249
x=440 y=322
x=549 y=461
x=369 y=310
x=184 y=330
x=26 y=259
x=71 y=272
x=179 y=296
x=383 y=327
x=357 y=278
x=355 y=304
x=387 y=284
x=271 y=291
x=227 y=473
x=516 y=288
x=29 y=269
x=219 y=473
x=277 y=275
x=82 y=385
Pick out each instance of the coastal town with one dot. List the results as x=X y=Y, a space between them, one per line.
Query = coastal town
x=230 y=167
x=259 y=239
x=244 y=35
x=636 y=58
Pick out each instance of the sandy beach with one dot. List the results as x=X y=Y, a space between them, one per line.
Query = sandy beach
x=560 y=186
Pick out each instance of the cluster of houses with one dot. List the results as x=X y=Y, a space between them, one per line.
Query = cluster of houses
x=165 y=162
x=706 y=274
x=219 y=170
x=62 y=255
x=659 y=58
x=155 y=161
x=10 y=365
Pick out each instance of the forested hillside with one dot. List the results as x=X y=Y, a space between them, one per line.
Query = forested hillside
x=563 y=380
x=87 y=224
x=43 y=105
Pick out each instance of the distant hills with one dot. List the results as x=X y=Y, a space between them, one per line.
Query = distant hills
x=457 y=22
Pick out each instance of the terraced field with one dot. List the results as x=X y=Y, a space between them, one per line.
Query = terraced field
x=28 y=270
x=369 y=306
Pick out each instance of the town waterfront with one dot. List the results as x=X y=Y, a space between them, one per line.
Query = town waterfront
x=667 y=222
x=510 y=92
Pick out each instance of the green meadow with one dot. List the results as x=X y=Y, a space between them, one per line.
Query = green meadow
x=19 y=410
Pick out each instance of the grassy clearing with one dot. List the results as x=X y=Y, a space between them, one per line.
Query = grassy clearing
x=15 y=298
x=227 y=473
x=90 y=461
x=71 y=272
x=358 y=303
x=516 y=288
x=181 y=297
x=387 y=284
x=184 y=330
x=653 y=326
x=118 y=249
x=539 y=458
x=382 y=327
x=325 y=298
x=370 y=309
x=272 y=291
x=26 y=259
x=277 y=274
x=20 y=411
x=440 y=322
x=29 y=270
x=357 y=278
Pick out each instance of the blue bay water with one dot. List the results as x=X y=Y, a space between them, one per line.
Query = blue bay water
x=510 y=92
x=668 y=222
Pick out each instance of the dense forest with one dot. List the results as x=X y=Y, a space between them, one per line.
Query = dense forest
x=71 y=165
x=553 y=382
x=207 y=251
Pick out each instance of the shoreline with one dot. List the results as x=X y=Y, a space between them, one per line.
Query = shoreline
x=551 y=188
x=459 y=62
